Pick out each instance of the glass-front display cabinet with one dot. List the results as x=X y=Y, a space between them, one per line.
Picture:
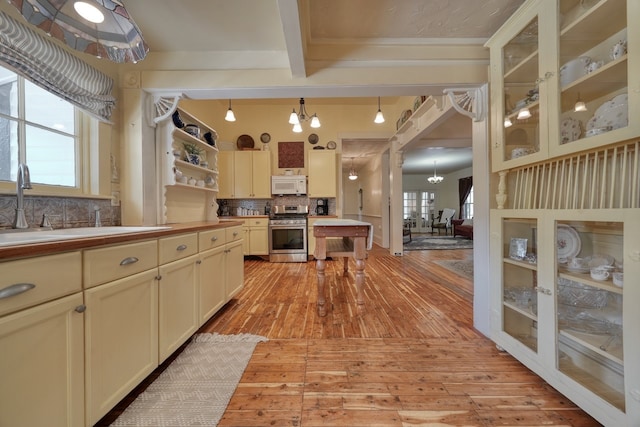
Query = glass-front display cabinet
x=589 y=300
x=561 y=79
x=520 y=280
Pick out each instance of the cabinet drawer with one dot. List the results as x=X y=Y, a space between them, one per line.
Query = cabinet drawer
x=233 y=233
x=258 y=222
x=52 y=276
x=211 y=239
x=177 y=247
x=114 y=262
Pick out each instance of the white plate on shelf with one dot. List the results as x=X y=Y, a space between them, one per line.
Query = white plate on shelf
x=570 y=130
x=568 y=242
x=613 y=114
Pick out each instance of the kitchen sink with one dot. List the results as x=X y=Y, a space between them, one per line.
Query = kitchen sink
x=37 y=235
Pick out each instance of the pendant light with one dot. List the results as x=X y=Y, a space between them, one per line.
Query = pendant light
x=379 y=117
x=353 y=175
x=580 y=105
x=524 y=113
x=230 y=117
x=435 y=179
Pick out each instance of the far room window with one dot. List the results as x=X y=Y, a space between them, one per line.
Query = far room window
x=39 y=129
x=467 y=206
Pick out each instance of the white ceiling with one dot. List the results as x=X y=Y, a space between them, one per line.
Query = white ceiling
x=312 y=36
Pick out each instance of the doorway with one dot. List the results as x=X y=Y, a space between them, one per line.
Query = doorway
x=417 y=210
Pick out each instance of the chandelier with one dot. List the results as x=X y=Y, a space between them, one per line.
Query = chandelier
x=353 y=175
x=296 y=119
x=435 y=179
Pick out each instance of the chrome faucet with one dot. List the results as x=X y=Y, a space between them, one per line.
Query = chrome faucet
x=23 y=182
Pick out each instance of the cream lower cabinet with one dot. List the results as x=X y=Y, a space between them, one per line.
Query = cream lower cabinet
x=42 y=341
x=177 y=292
x=41 y=365
x=575 y=330
x=121 y=334
x=256 y=237
x=178 y=304
x=234 y=262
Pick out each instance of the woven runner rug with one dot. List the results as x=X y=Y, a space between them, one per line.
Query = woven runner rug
x=428 y=242
x=197 y=386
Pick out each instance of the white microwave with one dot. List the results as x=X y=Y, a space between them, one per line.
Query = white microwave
x=288 y=184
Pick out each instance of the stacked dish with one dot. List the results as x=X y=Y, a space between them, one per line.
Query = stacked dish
x=611 y=115
x=570 y=130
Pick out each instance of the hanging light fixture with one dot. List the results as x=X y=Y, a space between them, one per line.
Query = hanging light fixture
x=435 y=179
x=507 y=122
x=296 y=119
x=379 y=117
x=353 y=175
x=524 y=113
x=230 y=117
x=102 y=28
x=580 y=105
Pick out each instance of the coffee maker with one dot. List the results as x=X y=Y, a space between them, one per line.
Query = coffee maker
x=322 y=207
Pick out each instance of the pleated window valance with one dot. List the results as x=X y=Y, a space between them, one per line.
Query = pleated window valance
x=54 y=69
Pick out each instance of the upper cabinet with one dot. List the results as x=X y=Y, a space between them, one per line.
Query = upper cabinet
x=322 y=173
x=564 y=79
x=244 y=174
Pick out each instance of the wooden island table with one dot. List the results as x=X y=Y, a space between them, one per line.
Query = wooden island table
x=341 y=238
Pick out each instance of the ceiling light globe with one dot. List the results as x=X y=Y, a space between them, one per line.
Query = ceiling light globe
x=508 y=122
x=353 y=177
x=230 y=117
x=315 y=122
x=297 y=128
x=89 y=12
x=379 y=117
x=580 y=106
x=524 y=113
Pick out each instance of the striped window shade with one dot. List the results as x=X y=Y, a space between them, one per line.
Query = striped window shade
x=51 y=67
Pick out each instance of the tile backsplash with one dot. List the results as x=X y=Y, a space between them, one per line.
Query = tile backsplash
x=63 y=212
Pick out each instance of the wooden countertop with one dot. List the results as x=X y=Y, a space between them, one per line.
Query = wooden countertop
x=50 y=247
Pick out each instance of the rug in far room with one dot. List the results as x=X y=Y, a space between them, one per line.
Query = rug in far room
x=429 y=242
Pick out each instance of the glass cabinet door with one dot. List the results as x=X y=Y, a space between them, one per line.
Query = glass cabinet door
x=521 y=67
x=593 y=74
x=589 y=295
x=520 y=280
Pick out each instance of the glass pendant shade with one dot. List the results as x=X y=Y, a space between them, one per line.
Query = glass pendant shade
x=379 y=117
x=353 y=175
x=230 y=117
x=524 y=113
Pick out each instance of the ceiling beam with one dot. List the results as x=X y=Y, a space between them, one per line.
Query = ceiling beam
x=290 y=17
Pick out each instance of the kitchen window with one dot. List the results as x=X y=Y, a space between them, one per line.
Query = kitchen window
x=41 y=130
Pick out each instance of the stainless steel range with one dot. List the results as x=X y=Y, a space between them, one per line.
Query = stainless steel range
x=288 y=234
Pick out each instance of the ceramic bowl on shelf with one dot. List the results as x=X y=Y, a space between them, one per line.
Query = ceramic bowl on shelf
x=192 y=130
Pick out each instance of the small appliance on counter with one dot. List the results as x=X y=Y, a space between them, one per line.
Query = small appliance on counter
x=322 y=207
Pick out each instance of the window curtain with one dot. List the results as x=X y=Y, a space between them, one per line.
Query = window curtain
x=54 y=69
x=464 y=188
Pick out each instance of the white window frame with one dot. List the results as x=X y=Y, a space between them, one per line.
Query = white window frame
x=83 y=132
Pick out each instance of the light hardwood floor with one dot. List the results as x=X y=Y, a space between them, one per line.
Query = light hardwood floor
x=412 y=358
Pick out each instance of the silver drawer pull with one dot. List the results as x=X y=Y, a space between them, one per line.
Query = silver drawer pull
x=81 y=308
x=181 y=248
x=235 y=233
x=214 y=238
x=129 y=260
x=17 y=289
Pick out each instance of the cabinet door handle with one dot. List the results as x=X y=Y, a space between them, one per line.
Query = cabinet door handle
x=81 y=308
x=17 y=289
x=129 y=260
x=181 y=248
x=199 y=262
x=235 y=233
x=214 y=238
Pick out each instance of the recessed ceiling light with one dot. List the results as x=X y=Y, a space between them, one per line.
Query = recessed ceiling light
x=88 y=12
